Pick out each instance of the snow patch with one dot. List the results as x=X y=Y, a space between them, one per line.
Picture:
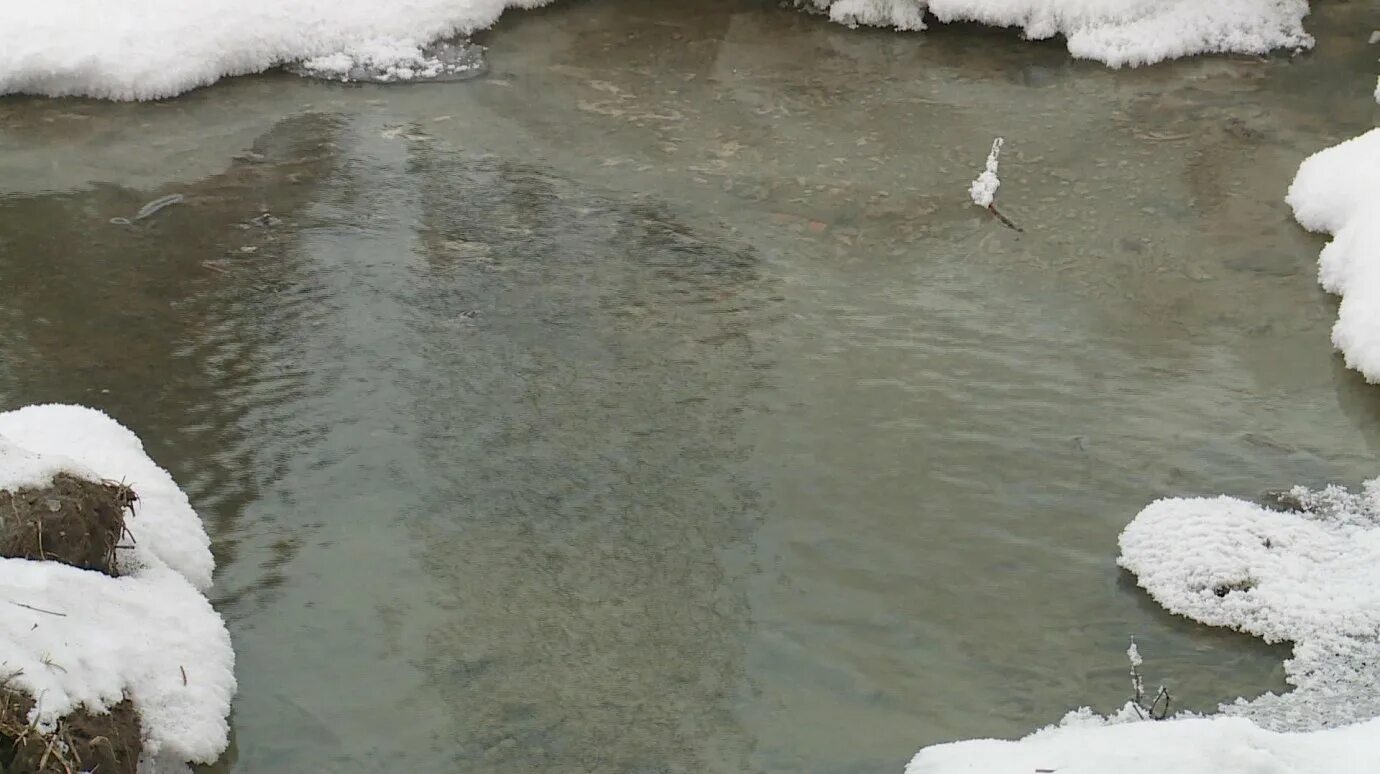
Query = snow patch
x=72 y=637
x=1116 y=32
x=87 y=638
x=1190 y=746
x=165 y=529
x=1309 y=576
x=22 y=468
x=149 y=49
x=984 y=188
x=1337 y=191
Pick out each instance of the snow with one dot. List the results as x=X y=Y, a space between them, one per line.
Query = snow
x=1221 y=745
x=1337 y=191
x=134 y=634
x=149 y=49
x=1309 y=576
x=166 y=531
x=24 y=468
x=984 y=188
x=1116 y=32
x=71 y=637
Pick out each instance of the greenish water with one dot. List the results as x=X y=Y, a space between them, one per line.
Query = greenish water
x=658 y=402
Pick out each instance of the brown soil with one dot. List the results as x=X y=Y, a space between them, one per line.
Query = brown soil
x=73 y=521
x=76 y=522
x=106 y=744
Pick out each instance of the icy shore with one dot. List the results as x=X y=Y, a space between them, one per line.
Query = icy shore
x=151 y=49
x=1115 y=32
x=1337 y=191
x=1309 y=576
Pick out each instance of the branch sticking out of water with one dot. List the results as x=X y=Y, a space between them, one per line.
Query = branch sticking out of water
x=1005 y=221
x=983 y=191
x=1158 y=707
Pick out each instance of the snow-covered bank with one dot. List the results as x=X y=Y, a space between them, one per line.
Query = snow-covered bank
x=72 y=637
x=148 y=49
x=1190 y=746
x=1310 y=576
x=1116 y=32
x=1337 y=191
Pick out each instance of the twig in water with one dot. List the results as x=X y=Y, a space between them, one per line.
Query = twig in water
x=1005 y=221
x=983 y=191
x=1164 y=713
x=1143 y=710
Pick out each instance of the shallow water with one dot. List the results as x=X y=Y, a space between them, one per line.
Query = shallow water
x=659 y=403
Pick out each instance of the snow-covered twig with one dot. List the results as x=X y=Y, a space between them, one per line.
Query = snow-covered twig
x=984 y=189
x=1138 y=689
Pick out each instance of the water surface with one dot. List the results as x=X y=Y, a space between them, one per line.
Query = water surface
x=658 y=402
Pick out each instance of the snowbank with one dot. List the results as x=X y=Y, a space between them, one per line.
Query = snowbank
x=70 y=637
x=1309 y=576
x=58 y=438
x=1192 y=746
x=1116 y=32
x=1337 y=191
x=148 y=49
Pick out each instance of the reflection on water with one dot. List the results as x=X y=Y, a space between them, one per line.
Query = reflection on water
x=657 y=403
x=581 y=437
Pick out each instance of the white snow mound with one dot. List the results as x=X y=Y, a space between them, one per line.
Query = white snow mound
x=72 y=637
x=1220 y=745
x=149 y=49
x=165 y=529
x=87 y=638
x=1116 y=32
x=1310 y=576
x=1337 y=191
